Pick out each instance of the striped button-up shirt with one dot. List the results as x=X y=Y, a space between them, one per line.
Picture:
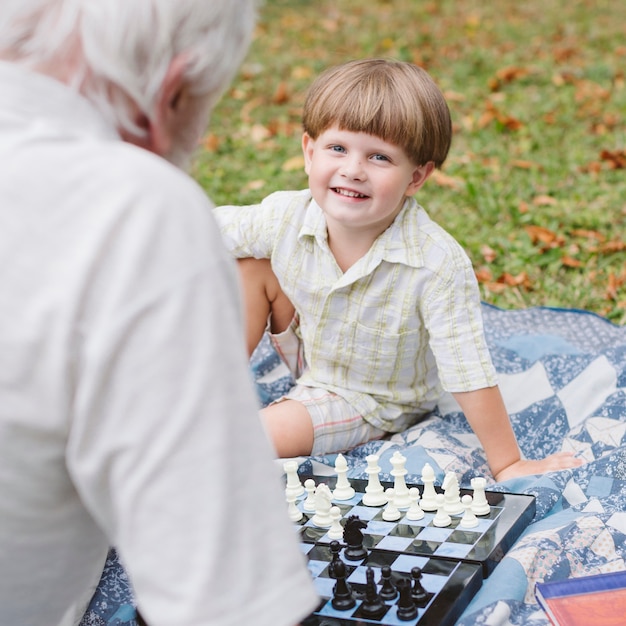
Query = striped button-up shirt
x=394 y=329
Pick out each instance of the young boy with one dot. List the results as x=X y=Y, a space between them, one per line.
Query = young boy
x=374 y=307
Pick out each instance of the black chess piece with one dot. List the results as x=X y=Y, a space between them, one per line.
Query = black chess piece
x=405 y=608
x=420 y=595
x=335 y=549
x=343 y=599
x=372 y=606
x=387 y=588
x=353 y=536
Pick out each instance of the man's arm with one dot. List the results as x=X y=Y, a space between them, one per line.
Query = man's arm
x=488 y=417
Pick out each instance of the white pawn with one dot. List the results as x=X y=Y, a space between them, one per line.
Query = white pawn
x=374 y=492
x=429 y=495
x=391 y=512
x=452 y=494
x=336 y=529
x=293 y=481
x=309 y=503
x=323 y=497
x=343 y=488
x=469 y=520
x=400 y=490
x=441 y=518
x=294 y=513
x=415 y=511
x=480 y=506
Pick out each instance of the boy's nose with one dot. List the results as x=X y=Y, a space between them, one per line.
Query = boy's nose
x=353 y=168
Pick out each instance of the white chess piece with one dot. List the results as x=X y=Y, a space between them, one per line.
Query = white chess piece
x=343 y=488
x=391 y=512
x=293 y=480
x=429 y=495
x=480 y=506
x=400 y=490
x=294 y=513
x=323 y=497
x=452 y=494
x=415 y=511
x=309 y=503
x=469 y=520
x=374 y=492
x=441 y=518
x=336 y=529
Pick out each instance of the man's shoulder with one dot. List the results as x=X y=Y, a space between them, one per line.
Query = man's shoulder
x=133 y=167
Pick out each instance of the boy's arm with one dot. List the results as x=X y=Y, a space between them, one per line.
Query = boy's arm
x=488 y=417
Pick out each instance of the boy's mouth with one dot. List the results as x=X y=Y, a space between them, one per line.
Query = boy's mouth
x=348 y=193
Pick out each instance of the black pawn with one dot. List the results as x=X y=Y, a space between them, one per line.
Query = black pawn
x=405 y=609
x=335 y=549
x=420 y=595
x=387 y=589
x=373 y=606
x=342 y=594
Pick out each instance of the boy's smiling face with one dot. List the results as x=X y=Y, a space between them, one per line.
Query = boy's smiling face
x=359 y=180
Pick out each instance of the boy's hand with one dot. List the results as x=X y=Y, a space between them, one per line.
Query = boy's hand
x=554 y=462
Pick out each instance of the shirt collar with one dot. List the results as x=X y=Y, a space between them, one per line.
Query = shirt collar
x=51 y=108
x=398 y=244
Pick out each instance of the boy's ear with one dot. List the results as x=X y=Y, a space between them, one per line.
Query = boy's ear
x=420 y=176
x=307 y=150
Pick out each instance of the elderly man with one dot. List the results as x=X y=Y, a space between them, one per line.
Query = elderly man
x=127 y=415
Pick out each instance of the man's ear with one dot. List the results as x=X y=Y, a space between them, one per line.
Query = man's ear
x=307 y=150
x=420 y=176
x=160 y=127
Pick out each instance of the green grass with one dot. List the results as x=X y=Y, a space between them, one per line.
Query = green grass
x=537 y=92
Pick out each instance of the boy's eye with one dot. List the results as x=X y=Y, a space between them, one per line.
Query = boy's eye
x=337 y=148
x=380 y=157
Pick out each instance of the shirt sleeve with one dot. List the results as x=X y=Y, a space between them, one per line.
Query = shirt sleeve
x=254 y=230
x=453 y=317
x=166 y=445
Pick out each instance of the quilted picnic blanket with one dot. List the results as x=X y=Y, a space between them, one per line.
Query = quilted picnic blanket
x=563 y=377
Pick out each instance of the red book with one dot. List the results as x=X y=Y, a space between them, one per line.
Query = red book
x=598 y=600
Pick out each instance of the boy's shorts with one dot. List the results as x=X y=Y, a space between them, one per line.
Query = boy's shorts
x=337 y=425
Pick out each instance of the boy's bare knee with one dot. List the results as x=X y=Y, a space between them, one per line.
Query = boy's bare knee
x=290 y=428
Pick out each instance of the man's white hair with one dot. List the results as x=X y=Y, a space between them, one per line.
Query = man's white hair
x=118 y=51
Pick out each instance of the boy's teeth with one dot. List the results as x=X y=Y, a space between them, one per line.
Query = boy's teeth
x=351 y=194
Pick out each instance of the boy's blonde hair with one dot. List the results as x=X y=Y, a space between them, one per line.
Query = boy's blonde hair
x=396 y=101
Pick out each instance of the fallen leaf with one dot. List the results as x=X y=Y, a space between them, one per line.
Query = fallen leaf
x=293 y=164
x=484 y=275
x=258 y=133
x=254 y=185
x=489 y=254
x=524 y=165
x=281 y=95
x=612 y=246
x=301 y=72
x=569 y=261
x=443 y=180
x=587 y=234
x=612 y=286
x=544 y=200
x=211 y=142
x=540 y=234
x=616 y=159
x=520 y=280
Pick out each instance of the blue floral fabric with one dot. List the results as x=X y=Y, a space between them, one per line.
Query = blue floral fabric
x=563 y=377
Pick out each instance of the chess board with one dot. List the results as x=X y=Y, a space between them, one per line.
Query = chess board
x=453 y=560
x=485 y=545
